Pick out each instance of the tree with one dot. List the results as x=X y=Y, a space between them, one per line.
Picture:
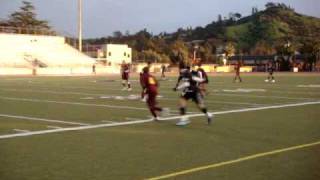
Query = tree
x=26 y=18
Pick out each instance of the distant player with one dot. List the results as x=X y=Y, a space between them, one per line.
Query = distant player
x=188 y=83
x=203 y=75
x=125 y=70
x=270 y=69
x=163 y=70
x=151 y=88
x=237 y=69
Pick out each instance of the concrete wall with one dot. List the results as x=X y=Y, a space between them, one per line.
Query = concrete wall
x=49 y=50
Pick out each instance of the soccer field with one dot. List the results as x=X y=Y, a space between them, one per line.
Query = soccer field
x=87 y=128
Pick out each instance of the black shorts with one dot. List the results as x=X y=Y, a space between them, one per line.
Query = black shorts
x=194 y=96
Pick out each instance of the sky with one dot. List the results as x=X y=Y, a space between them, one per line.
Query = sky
x=103 y=17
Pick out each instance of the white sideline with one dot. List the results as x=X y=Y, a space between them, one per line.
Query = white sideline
x=150 y=120
x=77 y=103
x=42 y=119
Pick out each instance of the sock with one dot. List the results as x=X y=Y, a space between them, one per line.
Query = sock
x=182 y=111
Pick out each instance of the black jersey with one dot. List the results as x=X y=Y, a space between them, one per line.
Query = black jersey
x=202 y=74
x=270 y=68
x=189 y=81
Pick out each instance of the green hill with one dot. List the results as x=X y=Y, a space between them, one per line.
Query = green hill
x=277 y=24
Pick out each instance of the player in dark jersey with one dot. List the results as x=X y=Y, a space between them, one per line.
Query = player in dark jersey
x=151 y=89
x=237 y=69
x=163 y=70
x=202 y=74
x=125 y=70
x=188 y=83
x=270 y=69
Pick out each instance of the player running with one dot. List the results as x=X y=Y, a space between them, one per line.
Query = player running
x=125 y=70
x=151 y=89
x=143 y=92
x=202 y=74
x=188 y=82
x=270 y=69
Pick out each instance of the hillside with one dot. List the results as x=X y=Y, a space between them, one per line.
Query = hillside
x=276 y=30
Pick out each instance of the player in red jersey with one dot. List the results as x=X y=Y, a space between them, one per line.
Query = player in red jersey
x=151 y=88
x=237 y=76
x=125 y=70
x=142 y=83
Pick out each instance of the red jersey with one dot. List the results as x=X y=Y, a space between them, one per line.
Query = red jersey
x=150 y=83
x=125 y=71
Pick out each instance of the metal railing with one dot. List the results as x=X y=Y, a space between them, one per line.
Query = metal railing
x=21 y=30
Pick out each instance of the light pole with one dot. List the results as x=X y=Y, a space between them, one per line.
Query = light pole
x=80 y=24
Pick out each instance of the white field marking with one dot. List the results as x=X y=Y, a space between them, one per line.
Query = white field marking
x=77 y=103
x=54 y=127
x=310 y=86
x=162 y=92
x=217 y=102
x=53 y=92
x=131 y=119
x=72 y=103
x=21 y=130
x=243 y=90
x=238 y=160
x=151 y=120
x=106 y=121
x=87 y=98
x=77 y=93
x=259 y=96
x=42 y=119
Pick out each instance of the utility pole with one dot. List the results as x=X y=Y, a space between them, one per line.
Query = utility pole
x=80 y=24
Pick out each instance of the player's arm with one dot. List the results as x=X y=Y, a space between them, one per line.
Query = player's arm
x=198 y=79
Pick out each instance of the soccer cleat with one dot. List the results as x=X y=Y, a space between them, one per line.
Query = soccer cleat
x=267 y=80
x=183 y=121
x=165 y=112
x=156 y=119
x=273 y=81
x=210 y=118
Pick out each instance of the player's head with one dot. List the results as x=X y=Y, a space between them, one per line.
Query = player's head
x=145 y=69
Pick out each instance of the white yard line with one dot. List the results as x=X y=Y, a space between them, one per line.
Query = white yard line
x=106 y=121
x=42 y=119
x=150 y=120
x=54 y=127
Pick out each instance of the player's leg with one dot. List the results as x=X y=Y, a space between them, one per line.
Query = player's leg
x=129 y=85
x=182 y=107
x=152 y=105
x=124 y=84
x=198 y=99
